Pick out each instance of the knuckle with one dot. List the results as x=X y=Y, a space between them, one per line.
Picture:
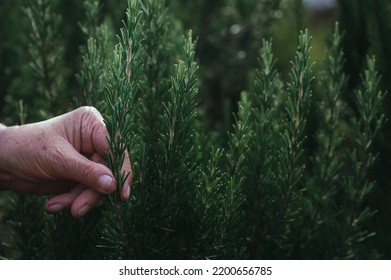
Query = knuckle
x=91 y=111
x=87 y=109
x=91 y=116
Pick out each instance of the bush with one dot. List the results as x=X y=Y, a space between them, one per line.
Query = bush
x=269 y=187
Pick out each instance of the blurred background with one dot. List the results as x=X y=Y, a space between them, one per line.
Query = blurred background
x=229 y=34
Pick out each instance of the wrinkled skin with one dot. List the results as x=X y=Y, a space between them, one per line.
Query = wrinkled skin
x=63 y=157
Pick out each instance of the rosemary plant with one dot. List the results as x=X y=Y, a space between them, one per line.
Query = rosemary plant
x=47 y=56
x=328 y=161
x=357 y=185
x=120 y=107
x=259 y=183
x=289 y=167
x=267 y=187
x=93 y=74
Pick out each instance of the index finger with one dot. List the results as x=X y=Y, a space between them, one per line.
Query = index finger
x=93 y=133
x=95 y=141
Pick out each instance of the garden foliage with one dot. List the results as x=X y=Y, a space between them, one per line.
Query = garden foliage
x=266 y=187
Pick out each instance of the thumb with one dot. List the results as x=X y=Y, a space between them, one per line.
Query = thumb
x=94 y=175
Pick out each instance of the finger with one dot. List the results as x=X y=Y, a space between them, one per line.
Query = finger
x=94 y=140
x=74 y=166
x=85 y=201
x=98 y=159
x=126 y=169
x=62 y=202
x=93 y=132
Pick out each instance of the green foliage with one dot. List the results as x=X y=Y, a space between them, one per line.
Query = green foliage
x=357 y=186
x=93 y=73
x=328 y=160
x=267 y=187
x=229 y=36
x=46 y=55
x=119 y=105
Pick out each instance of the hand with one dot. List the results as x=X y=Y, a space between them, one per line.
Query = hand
x=64 y=157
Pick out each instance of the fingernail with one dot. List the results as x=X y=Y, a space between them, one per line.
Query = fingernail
x=127 y=192
x=55 y=208
x=105 y=182
x=83 y=210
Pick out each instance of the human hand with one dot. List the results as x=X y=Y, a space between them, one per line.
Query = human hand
x=63 y=156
